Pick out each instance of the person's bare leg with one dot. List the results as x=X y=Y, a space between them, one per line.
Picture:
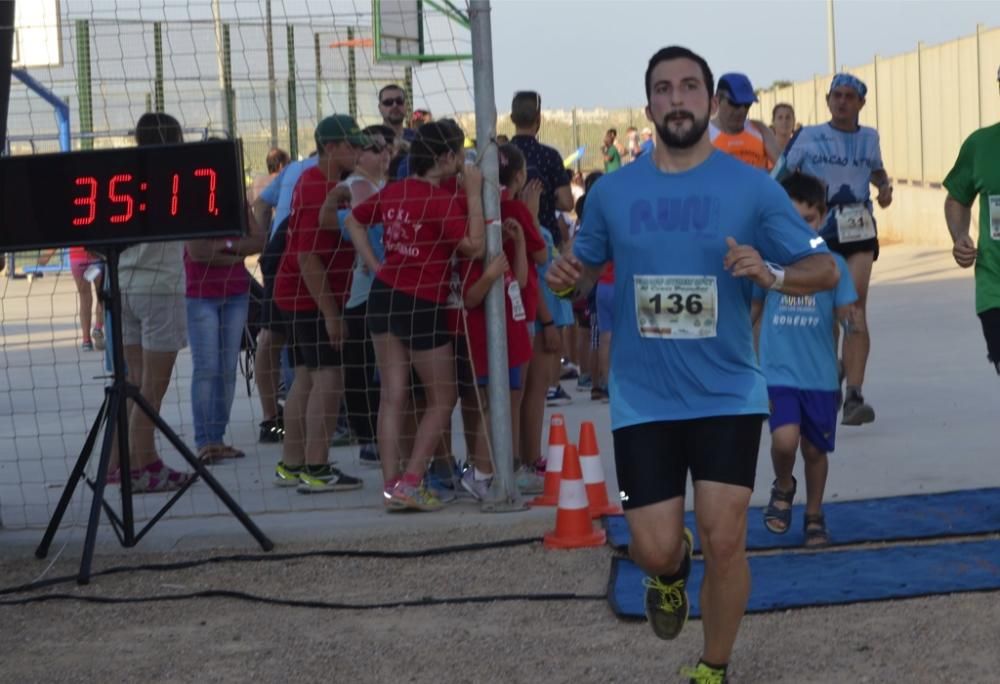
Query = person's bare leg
x=133 y=363
x=721 y=514
x=657 y=536
x=533 y=402
x=858 y=343
x=784 y=445
x=436 y=368
x=99 y=310
x=321 y=413
x=604 y=359
x=394 y=371
x=86 y=305
x=516 y=396
x=293 y=448
x=817 y=466
x=267 y=368
x=156 y=370
x=583 y=350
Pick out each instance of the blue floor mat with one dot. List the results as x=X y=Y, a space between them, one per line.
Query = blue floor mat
x=797 y=580
x=897 y=518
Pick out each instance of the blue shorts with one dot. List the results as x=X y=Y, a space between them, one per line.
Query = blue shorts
x=513 y=375
x=814 y=411
x=605 y=306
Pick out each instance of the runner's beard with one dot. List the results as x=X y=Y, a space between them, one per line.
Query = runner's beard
x=682 y=141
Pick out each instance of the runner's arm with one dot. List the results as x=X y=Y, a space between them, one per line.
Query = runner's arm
x=359 y=238
x=314 y=276
x=959 y=218
x=770 y=141
x=756 y=309
x=262 y=212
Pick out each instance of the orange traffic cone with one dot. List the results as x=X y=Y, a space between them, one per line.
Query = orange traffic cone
x=574 y=528
x=593 y=473
x=553 y=462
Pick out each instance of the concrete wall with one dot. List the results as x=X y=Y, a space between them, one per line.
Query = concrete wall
x=916 y=216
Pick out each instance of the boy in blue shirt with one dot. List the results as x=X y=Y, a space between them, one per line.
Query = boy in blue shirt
x=799 y=360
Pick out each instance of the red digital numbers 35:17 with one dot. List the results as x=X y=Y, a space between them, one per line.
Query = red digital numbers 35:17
x=126 y=201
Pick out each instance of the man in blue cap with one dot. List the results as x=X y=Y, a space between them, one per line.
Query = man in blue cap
x=847 y=156
x=731 y=131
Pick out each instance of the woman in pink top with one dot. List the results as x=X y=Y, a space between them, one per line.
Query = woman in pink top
x=218 y=287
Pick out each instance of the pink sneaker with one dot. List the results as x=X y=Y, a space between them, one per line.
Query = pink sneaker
x=157 y=477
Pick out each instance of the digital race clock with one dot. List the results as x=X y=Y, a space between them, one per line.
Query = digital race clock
x=122 y=196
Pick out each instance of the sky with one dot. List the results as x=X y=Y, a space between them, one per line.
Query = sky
x=595 y=52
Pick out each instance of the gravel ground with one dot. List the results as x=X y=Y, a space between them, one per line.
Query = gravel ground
x=940 y=639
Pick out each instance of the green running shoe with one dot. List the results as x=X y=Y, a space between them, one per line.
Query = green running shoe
x=667 y=604
x=286 y=476
x=703 y=674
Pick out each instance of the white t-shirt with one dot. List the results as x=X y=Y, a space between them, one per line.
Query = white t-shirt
x=153 y=268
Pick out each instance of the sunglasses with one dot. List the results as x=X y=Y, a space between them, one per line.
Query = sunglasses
x=734 y=104
x=390 y=101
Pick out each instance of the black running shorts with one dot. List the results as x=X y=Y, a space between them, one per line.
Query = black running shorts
x=419 y=324
x=652 y=460
x=310 y=344
x=846 y=249
x=991 y=331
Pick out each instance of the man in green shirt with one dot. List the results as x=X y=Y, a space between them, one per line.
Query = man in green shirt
x=612 y=156
x=977 y=174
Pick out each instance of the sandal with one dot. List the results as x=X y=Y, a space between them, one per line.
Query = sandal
x=817 y=536
x=779 y=520
x=210 y=454
x=231 y=452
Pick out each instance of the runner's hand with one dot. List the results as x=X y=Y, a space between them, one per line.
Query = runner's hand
x=743 y=261
x=964 y=251
x=563 y=273
x=885 y=195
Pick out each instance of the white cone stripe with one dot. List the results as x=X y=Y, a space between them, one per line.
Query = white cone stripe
x=572 y=495
x=555 y=459
x=593 y=471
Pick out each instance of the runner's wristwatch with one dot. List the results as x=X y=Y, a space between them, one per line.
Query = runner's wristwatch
x=779 y=275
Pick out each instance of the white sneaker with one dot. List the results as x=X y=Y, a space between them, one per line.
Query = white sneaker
x=529 y=481
x=479 y=489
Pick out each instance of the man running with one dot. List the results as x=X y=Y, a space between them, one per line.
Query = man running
x=977 y=174
x=688 y=229
x=733 y=133
x=847 y=156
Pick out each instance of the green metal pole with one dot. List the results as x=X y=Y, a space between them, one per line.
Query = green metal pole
x=352 y=78
x=83 y=89
x=408 y=84
x=227 y=79
x=319 y=77
x=293 y=120
x=158 y=98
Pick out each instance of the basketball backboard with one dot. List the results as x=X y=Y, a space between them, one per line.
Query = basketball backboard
x=37 y=39
x=399 y=30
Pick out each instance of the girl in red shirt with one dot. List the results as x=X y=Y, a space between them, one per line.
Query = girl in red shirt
x=424 y=225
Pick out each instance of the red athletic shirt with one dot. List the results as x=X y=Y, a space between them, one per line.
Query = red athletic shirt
x=304 y=237
x=516 y=209
x=423 y=224
x=518 y=340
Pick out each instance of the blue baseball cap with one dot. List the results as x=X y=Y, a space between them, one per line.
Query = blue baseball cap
x=738 y=88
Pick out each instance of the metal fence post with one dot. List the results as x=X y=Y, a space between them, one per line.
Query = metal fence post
x=293 y=115
x=920 y=109
x=506 y=497
x=83 y=85
x=158 y=99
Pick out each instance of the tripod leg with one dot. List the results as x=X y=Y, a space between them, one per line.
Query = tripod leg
x=199 y=467
x=114 y=406
x=74 y=479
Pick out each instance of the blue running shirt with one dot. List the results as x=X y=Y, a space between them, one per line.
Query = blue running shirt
x=666 y=233
x=844 y=161
x=796 y=335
